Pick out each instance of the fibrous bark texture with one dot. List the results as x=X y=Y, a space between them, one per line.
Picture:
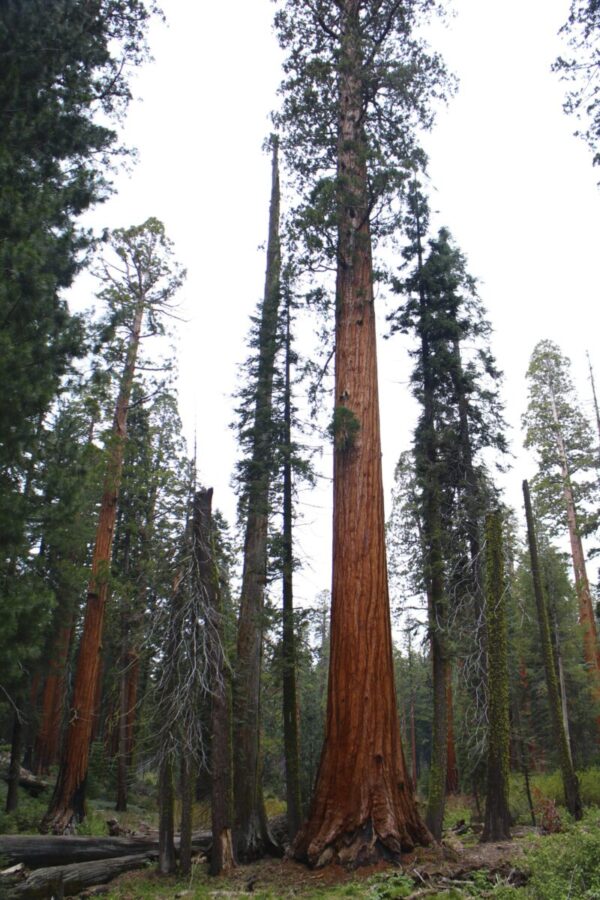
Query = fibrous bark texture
x=363 y=807
x=497 y=815
x=570 y=780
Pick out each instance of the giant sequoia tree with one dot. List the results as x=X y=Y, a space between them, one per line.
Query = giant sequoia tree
x=357 y=81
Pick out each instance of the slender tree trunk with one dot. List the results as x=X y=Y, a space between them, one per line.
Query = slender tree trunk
x=14 y=767
x=251 y=835
x=166 y=818
x=582 y=585
x=290 y=704
x=497 y=814
x=363 y=806
x=221 y=859
x=570 y=780
x=68 y=801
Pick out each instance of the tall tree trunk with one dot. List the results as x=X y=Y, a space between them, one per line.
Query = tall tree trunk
x=570 y=781
x=251 y=834
x=363 y=806
x=68 y=801
x=582 y=586
x=221 y=859
x=290 y=704
x=497 y=815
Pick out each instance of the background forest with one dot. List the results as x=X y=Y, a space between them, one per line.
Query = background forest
x=179 y=660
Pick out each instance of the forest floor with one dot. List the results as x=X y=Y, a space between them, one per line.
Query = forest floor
x=448 y=871
x=532 y=866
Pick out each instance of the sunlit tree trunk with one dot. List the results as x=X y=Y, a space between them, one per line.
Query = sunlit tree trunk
x=363 y=807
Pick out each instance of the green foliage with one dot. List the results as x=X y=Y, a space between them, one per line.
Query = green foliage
x=26 y=818
x=63 y=65
x=567 y=864
x=561 y=437
x=580 y=69
x=401 y=79
x=344 y=428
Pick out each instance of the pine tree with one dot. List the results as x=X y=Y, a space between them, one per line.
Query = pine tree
x=345 y=111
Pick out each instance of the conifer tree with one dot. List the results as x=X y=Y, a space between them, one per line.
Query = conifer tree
x=251 y=833
x=138 y=287
x=64 y=79
x=561 y=437
x=460 y=415
x=347 y=128
x=581 y=67
x=569 y=777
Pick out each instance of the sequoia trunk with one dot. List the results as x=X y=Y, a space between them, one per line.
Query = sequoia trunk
x=363 y=807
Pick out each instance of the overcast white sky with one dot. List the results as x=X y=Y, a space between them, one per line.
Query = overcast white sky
x=516 y=189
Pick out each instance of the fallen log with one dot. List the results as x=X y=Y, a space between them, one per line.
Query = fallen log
x=27 y=779
x=37 y=850
x=73 y=879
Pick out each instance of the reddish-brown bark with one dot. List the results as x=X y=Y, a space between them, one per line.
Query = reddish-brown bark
x=47 y=741
x=69 y=794
x=363 y=807
x=591 y=651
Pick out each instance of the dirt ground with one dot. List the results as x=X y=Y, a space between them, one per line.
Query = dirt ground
x=432 y=869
